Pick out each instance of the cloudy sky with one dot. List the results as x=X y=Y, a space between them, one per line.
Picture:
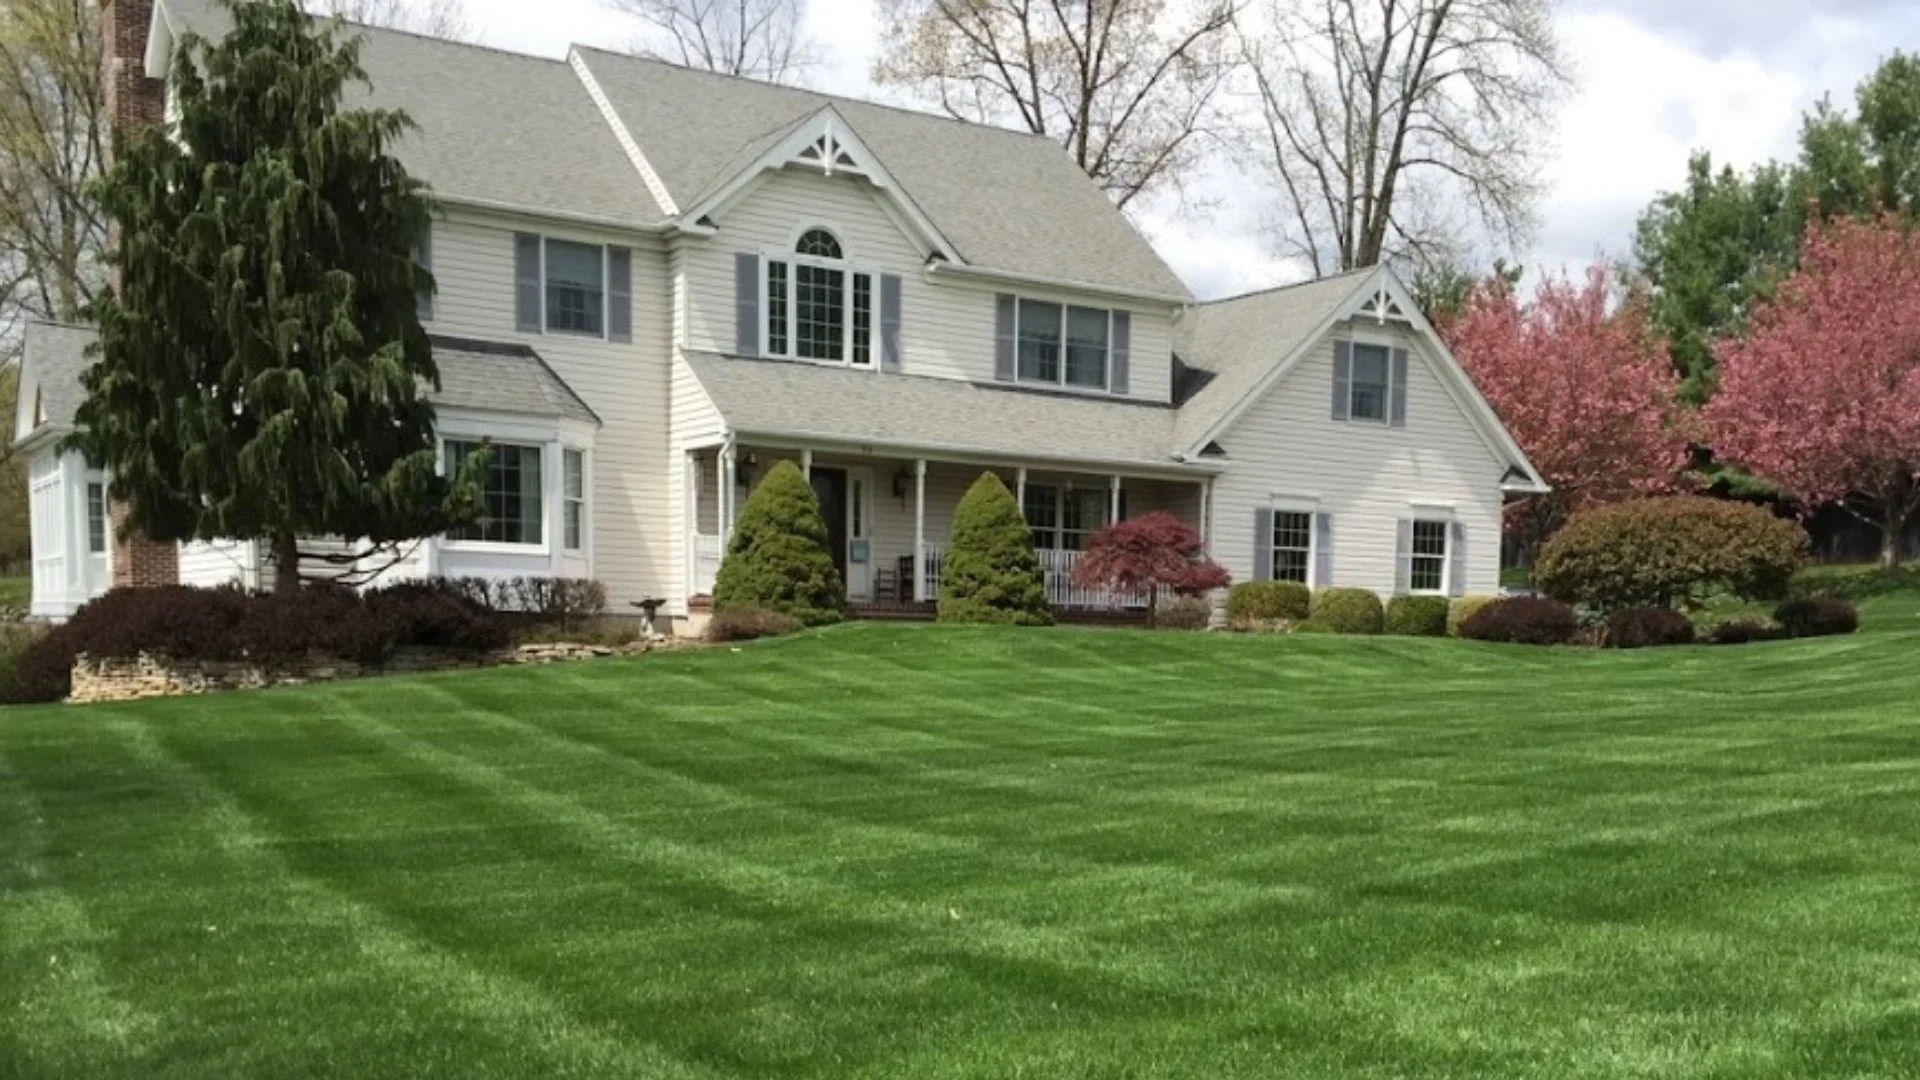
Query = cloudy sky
x=1655 y=80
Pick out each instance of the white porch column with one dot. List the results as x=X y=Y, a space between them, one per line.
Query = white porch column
x=690 y=468
x=1020 y=489
x=806 y=464
x=920 y=530
x=1206 y=514
x=1113 y=507
x=728 y=471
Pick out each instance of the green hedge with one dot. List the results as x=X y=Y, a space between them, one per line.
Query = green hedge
x=1269 y=601
x=1347 y=611
x=1418 y=616
x=1463 y=608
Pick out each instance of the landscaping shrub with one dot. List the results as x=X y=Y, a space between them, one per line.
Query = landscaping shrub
x=1740 y=631
x=1254 y=602
x=15 y=639
x=778 y=558
x=1147 y=554
x=1183 y=613
x=746 y=624
x=1640 y=628
x=1817 y=616
x=991 y=574
x=560 y=601
x=1463 y=608
x=1522 y=620
x=610 y=632
x=436 y=614
x=1418 y=616
x=1347 y=611
x=280 y=628
x=1671 y=552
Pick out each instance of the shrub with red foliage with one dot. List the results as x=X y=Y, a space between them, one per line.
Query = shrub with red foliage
x=1149 y=553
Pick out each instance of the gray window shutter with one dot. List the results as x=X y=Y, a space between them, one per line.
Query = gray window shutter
x=1403 y=559
x=1342 y=377
x=889 y=322
x=526 y=282
x=1457 y=556
x=1122 y=343
x=1397 y=412
x=619 y=294
x=746 y=304
x=1322 y=551
x=423 y=300
x=1003 y=337
x=1263 y=543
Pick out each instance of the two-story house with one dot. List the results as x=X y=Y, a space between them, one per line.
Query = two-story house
x=655 y=282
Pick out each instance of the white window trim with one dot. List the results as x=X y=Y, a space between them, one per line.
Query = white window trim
x=1291 y=504
x=1354 y=343
x=585 y=500
x=1105 y=389
x=606 y=299
x=1442 y=516
x=1059 y=526
x=548 y=499
x=848 y=265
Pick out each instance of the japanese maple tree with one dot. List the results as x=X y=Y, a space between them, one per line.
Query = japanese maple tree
x=1149 y=553
x=1822 y=396
x=1585 y=386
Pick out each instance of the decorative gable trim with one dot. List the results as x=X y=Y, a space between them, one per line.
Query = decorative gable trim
x=1381 y=295
x=655 y=186
x=823 y=141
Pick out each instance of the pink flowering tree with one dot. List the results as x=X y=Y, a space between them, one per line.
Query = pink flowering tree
x=1585 y=386
x=1822 y=396
x=1146 y=554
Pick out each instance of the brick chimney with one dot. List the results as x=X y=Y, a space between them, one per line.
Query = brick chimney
x=133 y=100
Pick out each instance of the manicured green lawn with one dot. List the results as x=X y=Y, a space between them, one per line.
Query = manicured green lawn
x=926 y=852
x=16 y=592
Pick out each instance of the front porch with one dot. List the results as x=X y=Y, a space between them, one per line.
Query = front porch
x=889 y=520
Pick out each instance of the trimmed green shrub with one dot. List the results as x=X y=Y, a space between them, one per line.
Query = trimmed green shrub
x=778 y=558
x=1746 y=628
x=1817 y=616
x=1671 y=552
x=1183 y=613
x=1347 y=611
x=1418 y=616
x=1252 y=602
x=1641 y=628
x=1522 y=620
x=747 y=624
x=991 y=574
x=1463 y=608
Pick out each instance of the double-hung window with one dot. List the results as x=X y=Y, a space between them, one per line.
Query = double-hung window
x=573 y=498
x=818 y=307
x=1065 y=519
x=1293 y=546
x=96 y=517
x=1427 y=572
x=1063 y=344
x=512 y=510
x=576 y=293
x=1372 y=382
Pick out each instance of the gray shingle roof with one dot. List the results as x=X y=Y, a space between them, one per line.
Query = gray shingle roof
x=495 y=126
x=485 y=375
x=693 y=126
x=1238 y=341
x=807 y=401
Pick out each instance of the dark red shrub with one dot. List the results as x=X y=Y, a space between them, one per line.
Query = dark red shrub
x=1523 y=620
x=1817 y=616
x=1148 y=553
x=1641 y=628
x=428 y=614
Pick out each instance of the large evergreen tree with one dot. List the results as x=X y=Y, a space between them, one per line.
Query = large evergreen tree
x=261 y=370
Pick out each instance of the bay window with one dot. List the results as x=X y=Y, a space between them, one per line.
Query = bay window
x=818 y=308
x=511 y=511
x=573 y=498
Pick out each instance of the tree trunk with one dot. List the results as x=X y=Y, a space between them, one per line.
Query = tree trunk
x=286 y=563
x=1892 y=527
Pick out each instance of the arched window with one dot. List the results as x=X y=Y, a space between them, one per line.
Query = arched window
x=829 y=314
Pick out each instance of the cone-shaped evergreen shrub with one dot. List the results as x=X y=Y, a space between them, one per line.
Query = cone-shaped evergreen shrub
x=778 y=559
x=991 y=574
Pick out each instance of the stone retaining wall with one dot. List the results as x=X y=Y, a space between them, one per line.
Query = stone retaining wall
x=154 y=676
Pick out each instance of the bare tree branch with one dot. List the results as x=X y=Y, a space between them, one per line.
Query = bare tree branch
x=436 y=18
x=757 y=39
x=1373 y=113
x=1129 y=87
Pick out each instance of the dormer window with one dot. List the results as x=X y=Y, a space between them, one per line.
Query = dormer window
x=818 y=308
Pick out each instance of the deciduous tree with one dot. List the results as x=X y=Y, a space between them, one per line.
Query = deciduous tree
x=261 y=367
x=1128 y=86
x=1585 y=387
x=1149 y=553
x=1384 y=121
x=758 y=39
x=439 y=18
x=1822 y=397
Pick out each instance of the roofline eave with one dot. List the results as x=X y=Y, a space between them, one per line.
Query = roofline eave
x=1170 y=468
x=984 y=273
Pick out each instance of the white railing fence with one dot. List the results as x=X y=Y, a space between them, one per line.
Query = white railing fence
x=1056 y=567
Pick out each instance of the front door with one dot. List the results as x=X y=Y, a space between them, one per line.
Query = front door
x=830 y=485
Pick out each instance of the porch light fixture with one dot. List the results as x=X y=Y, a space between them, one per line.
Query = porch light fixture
x=902 y=483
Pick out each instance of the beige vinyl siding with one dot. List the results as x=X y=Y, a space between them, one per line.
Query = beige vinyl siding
x=634 y=543
x=1368 y=476
x=947 y=323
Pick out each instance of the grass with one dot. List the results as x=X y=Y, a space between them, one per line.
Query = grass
x=1885 y=602
x=916 y=851
x=16 y=592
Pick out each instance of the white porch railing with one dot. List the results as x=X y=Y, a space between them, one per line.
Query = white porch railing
x=1056 y=568
x=706 y=562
